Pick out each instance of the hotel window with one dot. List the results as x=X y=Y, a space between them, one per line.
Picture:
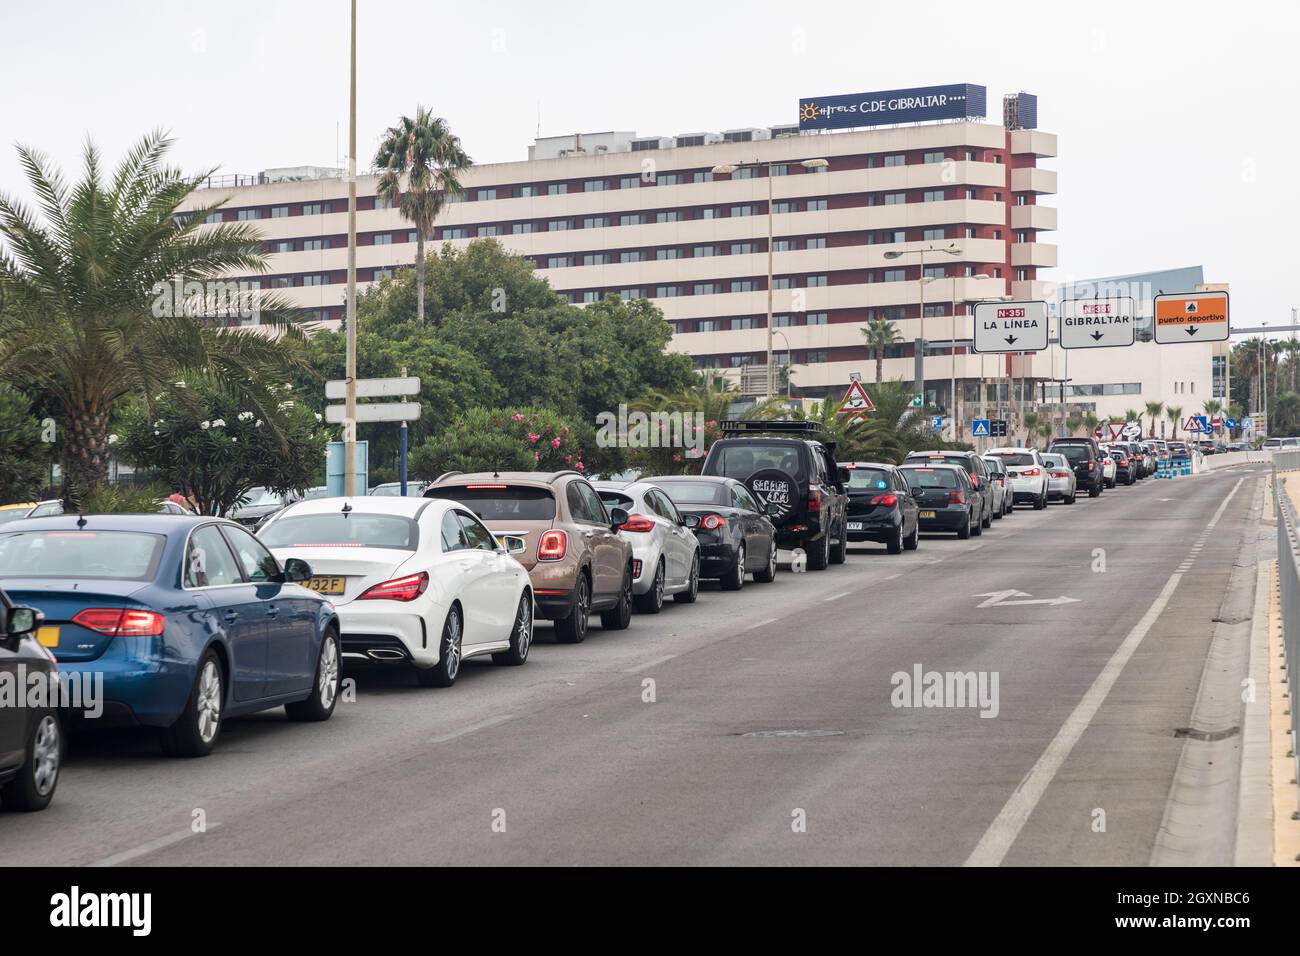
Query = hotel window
x=483 y=195
x=970 y=155
x=632 y=219
x=1022 y=235
x=740 y=361
x=523 y=228
x=595 y=259
x=897 y=159
x=593 y=186
x=704 y=288
x=589 y=296
x=817 y=357
x=213 y=219
x=667 y=291
x=411 y=236
x=816 y=242
x=816 y=318
x=933 y=195
x=522 y=192
x=702 y=252
x=669 y=215
x=819 y=169
x=556 y=189
x=933 y=156
x=934 y=311
x=968 y=272
x=314 y=245
x=1022 y=275
x=816 y=282
x=455 y=232
x=709 y=325
x=997 y=233
x=895 y=199
x=282 y=245
x=897 y=235
x=314 y=278
x=702 y=176
x=782 y=282
x=934 y=272
x=709 y=213
x=669 y=179
x=383 y=274
x=781 y=245
x=970 y=232
x=893 y=313
x=484 y=231
x=781 y=207
x=629 y=182
x=282 y=282
x=558 y=262
x=631 y=255
x=279 y=212
x=895 y=275
x=782 y=321
x=779 y=169
x=816 y=205
x=742 y=248
x=871 y=162
x=970 y=194
x=631 y=294
x=745 y=172
x=664 y=255
x=248 y=215
x=315 y=208
x=997 y=272
x=595 y=222
x=930 y=234
x=742 y=285
x=997 y=196
x=742 y=210
x=741 y=325
x=382 y=202
x=558 y=225
x=1022 y=201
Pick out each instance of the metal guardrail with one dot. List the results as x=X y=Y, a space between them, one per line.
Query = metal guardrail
x=1288 y=576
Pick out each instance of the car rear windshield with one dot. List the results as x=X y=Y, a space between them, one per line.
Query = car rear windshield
x=931 y=478
x=961 y=461
x=868 y=479
x=687 y=493
x=338 y=530
x=740 y=460
x=1016 y=459
x=1073 y=452
x=494 y=502
x=112 y=555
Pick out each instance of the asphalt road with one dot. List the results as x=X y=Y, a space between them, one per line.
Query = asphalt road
x=564 y=761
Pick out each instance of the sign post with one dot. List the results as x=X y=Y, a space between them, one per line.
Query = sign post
x=402 y=412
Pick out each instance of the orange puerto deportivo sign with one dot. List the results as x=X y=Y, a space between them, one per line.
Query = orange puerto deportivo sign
x=1191 y=317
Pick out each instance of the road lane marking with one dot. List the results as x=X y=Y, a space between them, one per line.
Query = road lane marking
x=471 y=728
x=1005 y=828
x=836 y=597
x=649 y=664
x=763 y=623
x=144 y=849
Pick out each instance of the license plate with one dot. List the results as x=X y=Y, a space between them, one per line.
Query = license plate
x=927 y=514
x=48 y=636
x=326 y=585
x=855 y=525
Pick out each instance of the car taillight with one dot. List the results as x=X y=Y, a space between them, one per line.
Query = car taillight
x=712 y=522
x=553 y=546
x=639 y=523
x=1060 y=474
x=1030 y=473
x=888 y=500
x=956 y=497
x=1091 y=464
x=399 y=589
x=120 y=622
x=814 y=501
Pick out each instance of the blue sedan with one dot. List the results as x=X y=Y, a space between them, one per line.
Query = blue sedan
x=189 y=620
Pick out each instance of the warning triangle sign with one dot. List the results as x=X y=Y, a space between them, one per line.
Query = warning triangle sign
x=1191 y=425
x=856 y=400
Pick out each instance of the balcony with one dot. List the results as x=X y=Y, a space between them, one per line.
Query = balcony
x=1031 y=179
x=1033 y=217
x=1041 y=254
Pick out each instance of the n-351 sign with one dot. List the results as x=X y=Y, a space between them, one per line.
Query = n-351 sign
x=1010 y=326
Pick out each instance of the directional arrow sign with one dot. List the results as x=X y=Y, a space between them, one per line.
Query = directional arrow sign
x=1191 y=317
x=1097 y=323
x=379 y=412
x=1010 y=326
x=1003 y=599
x=374 y=387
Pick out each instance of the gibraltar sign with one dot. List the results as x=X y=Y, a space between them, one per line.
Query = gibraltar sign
x=922 y=104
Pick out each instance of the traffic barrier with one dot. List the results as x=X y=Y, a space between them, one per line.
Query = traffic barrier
x=1288 y=576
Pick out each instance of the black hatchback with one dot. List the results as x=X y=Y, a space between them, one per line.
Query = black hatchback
x=31 y=733
x=881 y=507
x=946 y=498
x=976 y=467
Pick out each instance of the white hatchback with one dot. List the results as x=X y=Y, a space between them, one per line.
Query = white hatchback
x=665 y=553
x=1026 y=474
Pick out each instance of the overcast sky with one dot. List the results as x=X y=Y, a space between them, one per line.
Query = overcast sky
x=1177 y=123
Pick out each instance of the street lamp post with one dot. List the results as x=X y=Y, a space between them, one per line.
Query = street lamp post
x=728 y=169
x=350 y=395
x=951 y=249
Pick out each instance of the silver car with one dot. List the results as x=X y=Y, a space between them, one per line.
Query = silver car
x=1061 y=482
x=665 y=553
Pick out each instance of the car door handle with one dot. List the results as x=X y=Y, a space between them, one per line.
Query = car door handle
x=272 y=611
x=231 y=615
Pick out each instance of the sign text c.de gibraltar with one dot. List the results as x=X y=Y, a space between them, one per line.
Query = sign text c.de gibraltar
x=921 y=104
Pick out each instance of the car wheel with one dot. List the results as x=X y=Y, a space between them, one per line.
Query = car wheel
x=195 y=731
x=521 y=634
x=1094 y=491
x=573 y=629
x=841 y=551
x=987 y=520
x=914 y=542
x=619 y=616
x=819 y=558
x=445 y=672
x=653 y=600
x=1073 y=495
x=964 y=531
x=736 y=579
x=768 y=574
x=33 y=788
x=895 y=543
x=325 y=690
x=1041 y=503
x=693 y=586
x=979 y=527
x=1002 y=509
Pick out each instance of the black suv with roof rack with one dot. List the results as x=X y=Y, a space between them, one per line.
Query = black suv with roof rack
x=791 y=468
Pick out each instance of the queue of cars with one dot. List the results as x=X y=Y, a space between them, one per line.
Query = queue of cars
x=189 y=620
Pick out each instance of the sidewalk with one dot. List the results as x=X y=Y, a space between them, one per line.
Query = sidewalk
x=1286 y=794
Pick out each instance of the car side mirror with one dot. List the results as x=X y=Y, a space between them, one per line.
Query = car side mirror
x=23 y=620
x=617 y=517
x=296 y=571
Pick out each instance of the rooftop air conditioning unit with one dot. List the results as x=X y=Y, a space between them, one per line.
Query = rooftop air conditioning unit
x=776 y=132
x=652 y=142
x=746 y=135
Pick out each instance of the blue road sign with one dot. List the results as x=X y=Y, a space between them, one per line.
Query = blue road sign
x=1202 y=422
x=979 y=427
x=936 y=422
x=1230 y=422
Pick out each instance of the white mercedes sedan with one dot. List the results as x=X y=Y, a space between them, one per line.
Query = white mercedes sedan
x=417 y=582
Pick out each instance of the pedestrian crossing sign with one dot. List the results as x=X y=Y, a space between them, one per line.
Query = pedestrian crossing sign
x=979 y=427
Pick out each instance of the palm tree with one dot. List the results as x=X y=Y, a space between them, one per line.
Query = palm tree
x=85 y=315
x=880 y=335
x=421 y=162
x=1155 y=410
x=1090 y=423
x=1175 y=414
x=1074 y=422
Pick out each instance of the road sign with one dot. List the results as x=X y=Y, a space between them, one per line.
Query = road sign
x=1098 y=323
x=378 y=412
x=374 y=387
x=936 y=422
x=1010 y=326
x=1196 y=423
x=917 y=401
x=1132 y=431
x=1116 y=429
x=1230 y=422
x=1191 y=317
x=999 y=426
x=979 y=428
x=856 y=400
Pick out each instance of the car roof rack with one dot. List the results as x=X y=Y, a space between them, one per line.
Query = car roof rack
x=758 y=426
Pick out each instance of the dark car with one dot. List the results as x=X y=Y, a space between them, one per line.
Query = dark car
x=881 y=507
x=31 y=737
x=976 y=467
x=1125 y=464
x=790 y=467
x=186 y=620
x=735 y=536
x=1084 y=456
x=945 y=498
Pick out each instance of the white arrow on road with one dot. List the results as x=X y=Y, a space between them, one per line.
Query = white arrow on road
x=1000 y=599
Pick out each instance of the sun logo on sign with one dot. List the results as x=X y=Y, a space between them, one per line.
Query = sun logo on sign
x=808 y=111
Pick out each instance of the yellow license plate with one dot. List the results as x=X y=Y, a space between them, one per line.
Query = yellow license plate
x=927 y=514
x=326 y=585
x=48 y=636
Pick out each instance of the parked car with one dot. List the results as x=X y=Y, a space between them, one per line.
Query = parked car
x=416 y=582
x=946 y=497
x=736 y=537
x=1124 y=467
x=187 y=620
x=1084 y=455
x=1026 y=474
x=393 y=489
x=31 y=738
x=30 y=509
x=1107 y=467
x=881 y=507
x=975 y=466
x=556 y=526
x=259 y=504
x=665 y=553
x=998 y=476
x=1061 y=482
x=791 y=470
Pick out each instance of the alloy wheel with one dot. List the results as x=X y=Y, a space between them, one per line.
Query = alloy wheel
x=45 y=755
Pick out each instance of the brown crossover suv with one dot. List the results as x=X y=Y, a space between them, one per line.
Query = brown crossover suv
x=556 y=526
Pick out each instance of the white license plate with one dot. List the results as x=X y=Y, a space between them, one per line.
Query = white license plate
x=855 y=525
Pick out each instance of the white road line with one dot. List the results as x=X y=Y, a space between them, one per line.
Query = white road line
x=144 y=849
x=471 y=728
x=836 y=597
x=649 y=664
x=1002 y=832
x=763 y=623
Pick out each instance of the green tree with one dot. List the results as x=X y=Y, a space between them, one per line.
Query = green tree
x=1154 y=410
x=1174 y=413
x=23 y=456
x=880 y=335
x=421 y=162
x=83 y=285
x=212 y=442
x=510 y=439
